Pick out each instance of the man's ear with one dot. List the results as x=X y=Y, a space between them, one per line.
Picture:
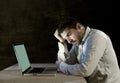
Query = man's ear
x=78 y=26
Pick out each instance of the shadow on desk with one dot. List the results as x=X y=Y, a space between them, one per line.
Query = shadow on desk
x=12 y=74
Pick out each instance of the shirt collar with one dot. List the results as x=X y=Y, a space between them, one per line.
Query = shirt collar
x=87 y=31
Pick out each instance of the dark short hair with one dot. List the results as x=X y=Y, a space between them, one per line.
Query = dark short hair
x=66 y=22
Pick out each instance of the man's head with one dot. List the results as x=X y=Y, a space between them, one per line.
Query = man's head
x=71 y=30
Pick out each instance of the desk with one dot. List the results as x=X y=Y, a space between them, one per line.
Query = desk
x=12 y=74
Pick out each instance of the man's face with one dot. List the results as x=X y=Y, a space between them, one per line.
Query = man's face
x=73 y=36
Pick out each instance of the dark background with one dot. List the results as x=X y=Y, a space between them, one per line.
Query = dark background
x=32 y=22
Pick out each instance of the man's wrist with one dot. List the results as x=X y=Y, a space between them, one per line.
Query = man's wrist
x=62 y=42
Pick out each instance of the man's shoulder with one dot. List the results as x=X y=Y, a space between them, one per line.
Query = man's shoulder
x=98 y=33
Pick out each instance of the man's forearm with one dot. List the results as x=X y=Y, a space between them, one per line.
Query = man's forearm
x=63 y=51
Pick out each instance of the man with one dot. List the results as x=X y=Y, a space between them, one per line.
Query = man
x=92 y=55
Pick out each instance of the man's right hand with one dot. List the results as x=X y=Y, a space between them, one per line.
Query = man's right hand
x=58 y=36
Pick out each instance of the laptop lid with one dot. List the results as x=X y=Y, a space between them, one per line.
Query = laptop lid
x=22 y=57
x=23 y=62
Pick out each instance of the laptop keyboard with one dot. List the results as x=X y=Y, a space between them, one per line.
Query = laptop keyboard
x=37 y=70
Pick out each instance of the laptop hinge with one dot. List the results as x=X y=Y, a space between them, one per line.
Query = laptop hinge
x=27 y=70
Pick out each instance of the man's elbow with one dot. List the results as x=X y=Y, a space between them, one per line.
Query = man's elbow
x=86 y=70
x=85 y=73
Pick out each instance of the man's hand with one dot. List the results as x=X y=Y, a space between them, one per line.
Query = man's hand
x=58 y=36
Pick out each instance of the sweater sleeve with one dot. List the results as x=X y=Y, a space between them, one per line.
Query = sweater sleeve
x=62 y=51
x=66 y=56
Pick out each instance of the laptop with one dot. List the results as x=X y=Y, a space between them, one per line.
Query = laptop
x=25 y=66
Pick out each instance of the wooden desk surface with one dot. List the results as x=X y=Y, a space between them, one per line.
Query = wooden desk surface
x=12 y=74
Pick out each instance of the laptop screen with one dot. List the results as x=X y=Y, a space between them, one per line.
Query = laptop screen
x=21 y=56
